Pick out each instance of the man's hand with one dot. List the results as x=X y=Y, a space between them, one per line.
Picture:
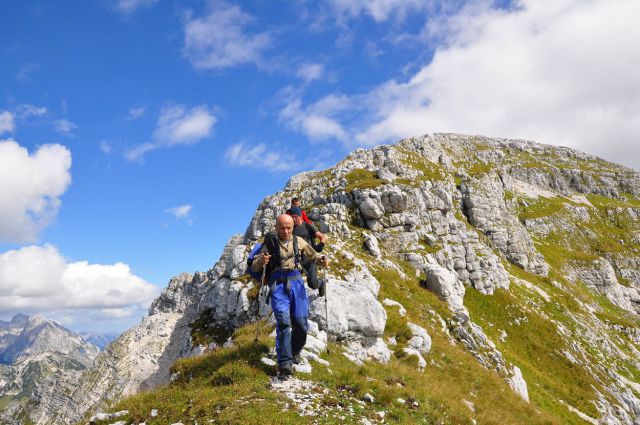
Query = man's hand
x=324 y=261
x=265 y=259
x=321 y=237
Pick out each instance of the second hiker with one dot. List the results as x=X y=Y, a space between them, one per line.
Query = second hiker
x=309 y=233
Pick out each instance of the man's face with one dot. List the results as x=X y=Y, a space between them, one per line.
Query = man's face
x=295 y=203
x=284 y=228
x=297 y=220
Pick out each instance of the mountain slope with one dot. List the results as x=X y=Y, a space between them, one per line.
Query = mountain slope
x=518 y=265
x=35 y=353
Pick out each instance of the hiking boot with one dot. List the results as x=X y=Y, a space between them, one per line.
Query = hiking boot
x=285 y=371
x=322 y=290
x=297 y=358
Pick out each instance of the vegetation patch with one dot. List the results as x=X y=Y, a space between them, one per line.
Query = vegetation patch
x=204 y=331
x=362 y=179
x=430 y=171
x=541 y=207
x=534 y=344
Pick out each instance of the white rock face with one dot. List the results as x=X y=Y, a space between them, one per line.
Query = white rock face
x=446 y=285
x=401 y=310
x=517 y=382
x=420 y=341
x=352 y=308
x=371 y=243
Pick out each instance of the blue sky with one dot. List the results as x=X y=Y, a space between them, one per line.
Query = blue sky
x=137 y=136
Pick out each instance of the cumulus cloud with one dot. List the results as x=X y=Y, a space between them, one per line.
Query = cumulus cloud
x=6 y=122
x=39 y=279
x=260 y=156
x=221 y=38
x=127 y=7
x=318 y=121
x=30 y=187
x=65 y=127
x=177 y=125
x=558 y=73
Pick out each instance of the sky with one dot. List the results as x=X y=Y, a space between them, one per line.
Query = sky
x=138 y=136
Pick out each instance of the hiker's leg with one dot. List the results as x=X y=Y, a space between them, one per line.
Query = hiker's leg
x=312 y=274
x=299 y=329
x=299 y=312
x=280 y=304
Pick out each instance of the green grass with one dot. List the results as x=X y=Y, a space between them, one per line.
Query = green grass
x=542 y=207
x=430 y=171
x=603 y=202
x=230 y=385
x=204 y=332
x=362 y=179
x=535 y=346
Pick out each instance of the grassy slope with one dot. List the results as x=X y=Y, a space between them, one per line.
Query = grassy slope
x=231 y=384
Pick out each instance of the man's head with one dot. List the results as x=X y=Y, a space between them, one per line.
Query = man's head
x=295 y=202
x=284 y=226
x=296 y=214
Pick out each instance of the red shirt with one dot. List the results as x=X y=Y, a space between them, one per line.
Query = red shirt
x=305 y=218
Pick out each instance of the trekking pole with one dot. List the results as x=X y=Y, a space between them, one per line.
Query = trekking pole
x=264 y=271
x=326 y=303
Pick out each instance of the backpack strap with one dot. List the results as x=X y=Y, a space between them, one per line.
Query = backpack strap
x=273 y=248
x=296 y=252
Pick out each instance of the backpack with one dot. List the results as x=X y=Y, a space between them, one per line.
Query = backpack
x=273 y=248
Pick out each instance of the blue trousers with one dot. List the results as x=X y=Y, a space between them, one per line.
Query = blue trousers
x=291 y=309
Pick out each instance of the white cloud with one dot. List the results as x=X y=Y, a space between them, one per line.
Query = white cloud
x=182 y=211
x=30 y=187
x=318 y=121
x=65 y=127
x=39 y=279
x=379 y=10
x=559 y=73
x=135 y=113
x=310 y=71
x=270 y=159
x=137 y=153
x=6 y=122
x=26 y=111
x=221 y=40
x=127 y=7
x=177 y=125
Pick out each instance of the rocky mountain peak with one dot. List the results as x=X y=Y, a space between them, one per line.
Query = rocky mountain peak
x=524 y=255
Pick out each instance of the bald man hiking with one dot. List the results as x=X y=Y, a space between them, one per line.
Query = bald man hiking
x=281 y=255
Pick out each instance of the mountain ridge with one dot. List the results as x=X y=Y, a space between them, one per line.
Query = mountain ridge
x=524 y=245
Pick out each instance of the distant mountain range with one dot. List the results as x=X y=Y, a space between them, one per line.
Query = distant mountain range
x=100 y=340
x=36 y=352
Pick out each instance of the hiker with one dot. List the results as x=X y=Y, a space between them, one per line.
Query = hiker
x=295 y=203
x=289 y=300
x=309 y=233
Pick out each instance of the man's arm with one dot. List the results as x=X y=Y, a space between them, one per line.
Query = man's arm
x=305 y=218
x=260 y=260
x=310 y=253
